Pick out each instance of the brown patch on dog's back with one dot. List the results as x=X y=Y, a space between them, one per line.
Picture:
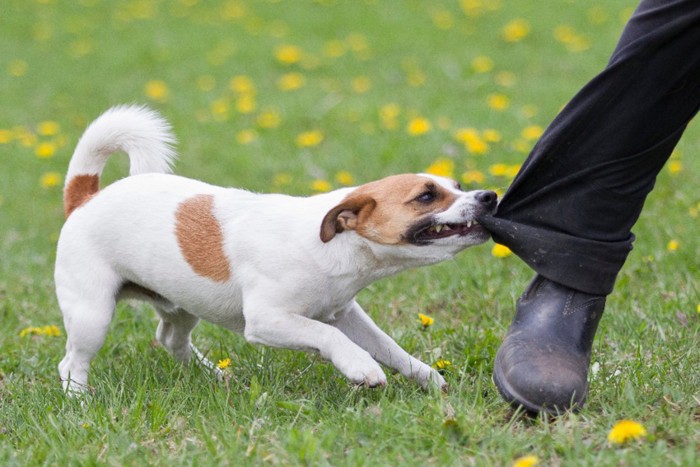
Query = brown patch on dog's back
x=78 y=191
x=201 y=239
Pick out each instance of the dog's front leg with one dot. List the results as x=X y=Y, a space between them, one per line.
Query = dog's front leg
x=360 y=328
x=278 y=328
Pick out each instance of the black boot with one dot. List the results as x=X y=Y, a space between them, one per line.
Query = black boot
x=543 y=362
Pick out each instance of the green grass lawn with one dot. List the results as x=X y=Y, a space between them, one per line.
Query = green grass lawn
x=305 y=96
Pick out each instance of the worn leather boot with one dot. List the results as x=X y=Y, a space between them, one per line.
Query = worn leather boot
x=543 y=362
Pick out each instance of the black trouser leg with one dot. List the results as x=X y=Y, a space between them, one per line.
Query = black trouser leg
x=569 y=212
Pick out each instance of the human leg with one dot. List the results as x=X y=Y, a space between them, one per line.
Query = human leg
x=570 y=210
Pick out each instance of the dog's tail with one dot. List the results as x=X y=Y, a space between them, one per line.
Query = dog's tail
x=136 y=130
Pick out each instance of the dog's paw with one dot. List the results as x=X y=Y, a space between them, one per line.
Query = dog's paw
x=430 y=378
x=437 y=380
x=364 y=372
x=74 y=390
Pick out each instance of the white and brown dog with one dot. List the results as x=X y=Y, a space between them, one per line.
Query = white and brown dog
x=282 y=270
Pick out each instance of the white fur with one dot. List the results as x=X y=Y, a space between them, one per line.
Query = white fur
x=287 y=288
x=140 y=132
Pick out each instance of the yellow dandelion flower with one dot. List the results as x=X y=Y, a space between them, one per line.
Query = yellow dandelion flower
x=50 y=180
x=425 y=320
x=492 y=136
x=573 y=41
x=157 y=90
x=521 y=145
x=246 y=136
x=416 y=78
x=498 y=170
x=692 y=211
x=418 y=126
x=529 y=111
x=564 y=33
x=473 y=177
x=6 y=136
x=626 y=430
x=472 y=141
x=443 y=19
x=246 y=104
x=288 y=54
x=17 y=68
x=45 y=150
x=442 y=167
x=500 y=251
x=309 y=139
x=532 y=132
x=48 y=128
x=344 y=178
x=357 y=42
x=282 y=179
x=361 y=84
x=334 y=48
x=223 y=364
x=675 y=167
x=698 y=308
x=25 y=137
x=526 y=461
x=498 y=102
x=516 y=30
x=321 y=185
x=234 y=10
x=505 y=79
x=50 y=330
x=241 y=84
x=512 y=170
x=482 y=64
x=269 y=118
x=442 y=364
x=389 y=114
x=672 y=245
x=597 y=15
x=81 y=48
x=291 y=81
x=220 y=108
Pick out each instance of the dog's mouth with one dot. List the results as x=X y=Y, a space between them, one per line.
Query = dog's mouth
x=437 y=231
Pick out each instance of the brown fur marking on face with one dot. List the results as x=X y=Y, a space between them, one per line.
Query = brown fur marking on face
x=78 y=191
x=393 y=210
x=201 y=239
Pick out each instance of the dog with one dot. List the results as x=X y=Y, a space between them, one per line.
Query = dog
x=282 y=270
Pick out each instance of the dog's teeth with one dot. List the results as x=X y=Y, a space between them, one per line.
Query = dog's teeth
x=447 y=227
x=476 y=223
x=469 y=224
x=438 y=228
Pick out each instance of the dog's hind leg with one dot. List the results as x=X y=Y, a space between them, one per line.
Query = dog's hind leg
x=87 y=302
x=174 y=331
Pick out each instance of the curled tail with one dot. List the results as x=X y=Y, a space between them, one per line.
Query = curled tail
x=138 y=131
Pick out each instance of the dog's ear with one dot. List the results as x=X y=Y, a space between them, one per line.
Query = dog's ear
x=350 y=213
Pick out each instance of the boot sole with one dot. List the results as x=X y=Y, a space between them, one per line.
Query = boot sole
x=517 y=400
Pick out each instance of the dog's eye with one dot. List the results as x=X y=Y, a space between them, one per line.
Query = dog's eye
x=458 y=186
x=426 y=197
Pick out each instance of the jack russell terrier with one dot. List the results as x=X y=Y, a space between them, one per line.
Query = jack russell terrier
x=283 y=271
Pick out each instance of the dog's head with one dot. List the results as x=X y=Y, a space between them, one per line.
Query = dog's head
x=412 y=209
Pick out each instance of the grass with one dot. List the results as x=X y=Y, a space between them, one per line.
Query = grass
x=367 y=70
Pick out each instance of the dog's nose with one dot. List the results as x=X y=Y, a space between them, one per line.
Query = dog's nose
x=487 y=199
